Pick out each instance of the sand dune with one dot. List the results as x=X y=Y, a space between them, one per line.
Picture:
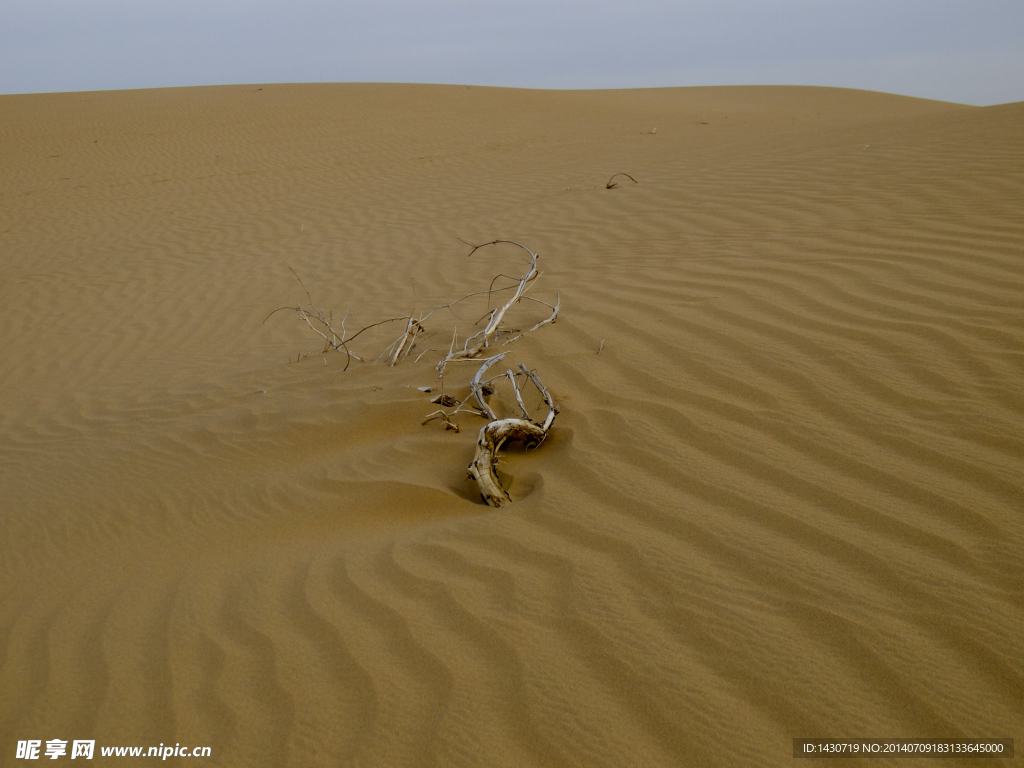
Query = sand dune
x=785 y=500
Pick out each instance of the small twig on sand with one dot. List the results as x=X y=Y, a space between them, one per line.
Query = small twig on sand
x=610 y=185
x=446 y=418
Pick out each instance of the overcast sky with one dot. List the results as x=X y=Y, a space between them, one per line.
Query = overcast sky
x=970 y=51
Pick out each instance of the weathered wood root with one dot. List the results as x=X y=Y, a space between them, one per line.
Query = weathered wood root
x=491 y=438
x=498 y=432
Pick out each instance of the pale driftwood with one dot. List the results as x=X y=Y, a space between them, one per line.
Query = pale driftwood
x=486 y=336
x=400 y=349
x=551 y=318
x=494 y=435
x=477 y=388
x=497 y=432
x=410 y=332
x=519 y=397
x=446 y=418
x=407 y=341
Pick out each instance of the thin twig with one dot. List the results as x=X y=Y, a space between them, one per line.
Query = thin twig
x=551 y=319
x=519 y=397
x=477 y=387
x=609 y=185
x=498 y=313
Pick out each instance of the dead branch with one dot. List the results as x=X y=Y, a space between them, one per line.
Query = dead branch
x=497 y=432
x=374 y=325
x=494 y=435
x=550 y=319
x=496 y=315
x=610 y=185
x=548 y=401
x=439 y=414
x=412 y=329
x=477 y=389
x=519 y=397
x=335 y=341
x=472 y=348
x=332 y=338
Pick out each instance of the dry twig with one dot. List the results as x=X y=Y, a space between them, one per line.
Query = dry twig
x=485 y=337
x=610 y=185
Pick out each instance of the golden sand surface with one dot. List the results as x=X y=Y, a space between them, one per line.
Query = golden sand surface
x=785 y=500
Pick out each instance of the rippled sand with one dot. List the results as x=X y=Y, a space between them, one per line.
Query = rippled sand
x=784 y=500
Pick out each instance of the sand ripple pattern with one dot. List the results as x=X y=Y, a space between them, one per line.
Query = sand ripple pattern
x=784 y=500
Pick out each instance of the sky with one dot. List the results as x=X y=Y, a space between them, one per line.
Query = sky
x=967 y=51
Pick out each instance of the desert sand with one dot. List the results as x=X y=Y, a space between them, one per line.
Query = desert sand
x=785 y=500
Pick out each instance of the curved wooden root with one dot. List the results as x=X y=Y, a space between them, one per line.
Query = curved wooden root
x=494 y=435
x=491 y=438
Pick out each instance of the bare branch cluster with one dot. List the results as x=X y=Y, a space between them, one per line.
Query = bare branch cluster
x=497 y=432
x=474 y=346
